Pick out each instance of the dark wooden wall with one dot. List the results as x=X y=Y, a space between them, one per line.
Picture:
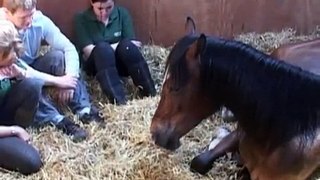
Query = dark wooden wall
x=164 y=19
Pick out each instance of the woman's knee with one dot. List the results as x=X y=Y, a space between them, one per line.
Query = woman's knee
x=32 y=86
x=103 y=56
x=102 y=48
x=128 y=53
x=126 y=45
x=32 y=162
x=17 y=155
x=32 y=90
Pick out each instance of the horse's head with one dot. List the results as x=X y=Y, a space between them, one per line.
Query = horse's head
x=184 y=102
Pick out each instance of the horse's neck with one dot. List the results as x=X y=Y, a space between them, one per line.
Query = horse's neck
x=250 y=82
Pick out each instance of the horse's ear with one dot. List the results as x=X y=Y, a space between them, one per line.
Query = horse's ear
x=197 y=47
x=201 y=44
x=151 y=41
x=190 y=26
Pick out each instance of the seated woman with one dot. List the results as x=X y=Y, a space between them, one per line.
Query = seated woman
x=18 y=103
x=104 y=36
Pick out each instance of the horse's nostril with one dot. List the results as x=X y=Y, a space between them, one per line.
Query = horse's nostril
x=172 y=145
x=165 y=140
x=153 y=136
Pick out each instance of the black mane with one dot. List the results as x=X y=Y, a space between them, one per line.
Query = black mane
x=272 y=100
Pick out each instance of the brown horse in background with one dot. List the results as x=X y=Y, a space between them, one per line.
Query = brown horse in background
x=303 y=54
x=276 y=105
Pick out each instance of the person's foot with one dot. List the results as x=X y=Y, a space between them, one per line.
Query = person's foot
x=70 y=128
x=93 y=116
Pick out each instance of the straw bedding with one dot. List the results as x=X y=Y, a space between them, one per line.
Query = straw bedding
x=123 y=149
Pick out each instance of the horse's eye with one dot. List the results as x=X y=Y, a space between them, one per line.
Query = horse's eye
x=174 y=88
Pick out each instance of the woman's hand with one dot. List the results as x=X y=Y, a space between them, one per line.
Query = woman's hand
x=13 y=71
x=19 y=72
x=20 y=132
x=137 y=43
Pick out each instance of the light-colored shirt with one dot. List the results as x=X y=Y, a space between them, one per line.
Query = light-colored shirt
x=42 y=28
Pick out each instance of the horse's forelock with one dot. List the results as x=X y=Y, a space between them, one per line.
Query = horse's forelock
x=166 y=75
x=176 y=62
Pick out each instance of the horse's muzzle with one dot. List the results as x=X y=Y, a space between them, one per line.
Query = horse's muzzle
x=165 y=138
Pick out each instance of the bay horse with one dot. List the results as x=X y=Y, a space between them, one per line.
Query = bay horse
x=305 y=54
x=275 y=104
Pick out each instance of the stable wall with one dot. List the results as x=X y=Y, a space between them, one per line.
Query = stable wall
x=163 y=20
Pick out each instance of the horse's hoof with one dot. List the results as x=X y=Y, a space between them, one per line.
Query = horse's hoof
x=201 y=164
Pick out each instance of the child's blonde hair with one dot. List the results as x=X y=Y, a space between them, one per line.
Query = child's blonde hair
x=9 y=39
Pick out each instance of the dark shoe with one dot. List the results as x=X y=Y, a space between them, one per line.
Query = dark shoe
x=93 y=116
x=70 y=128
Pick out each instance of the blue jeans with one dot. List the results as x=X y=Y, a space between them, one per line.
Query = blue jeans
x=53 y=63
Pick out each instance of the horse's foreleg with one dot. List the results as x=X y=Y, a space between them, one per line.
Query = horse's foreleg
x=203 y=162
x=244 y=174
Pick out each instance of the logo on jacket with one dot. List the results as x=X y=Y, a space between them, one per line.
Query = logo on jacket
x=117 y=34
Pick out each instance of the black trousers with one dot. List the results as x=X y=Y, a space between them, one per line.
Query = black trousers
x=18 y=155
x=21 y=103
x=19 y=108
x=108 y=65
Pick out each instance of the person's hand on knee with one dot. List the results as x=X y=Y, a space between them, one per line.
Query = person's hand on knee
x=65 y=95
